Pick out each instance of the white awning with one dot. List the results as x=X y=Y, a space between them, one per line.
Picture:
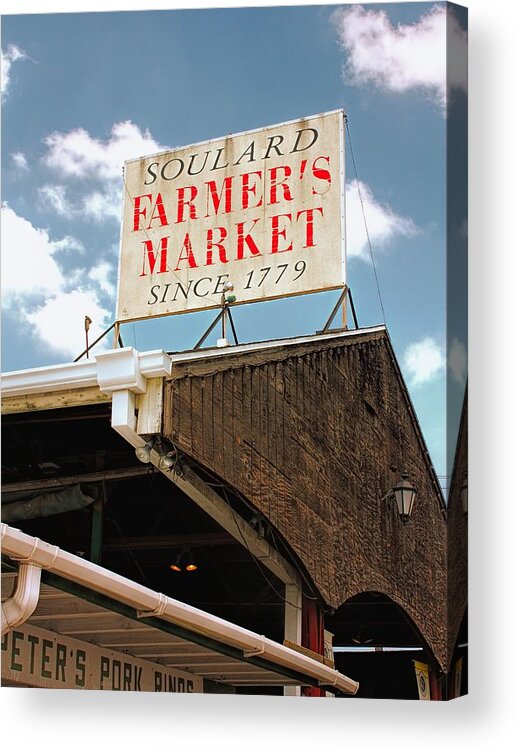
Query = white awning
x=86 y=603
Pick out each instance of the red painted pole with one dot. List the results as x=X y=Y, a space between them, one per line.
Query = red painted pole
x=435 y=685
x=312 y=636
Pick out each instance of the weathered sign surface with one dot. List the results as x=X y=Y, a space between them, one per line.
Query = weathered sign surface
x=41 y=658
x=263 y=209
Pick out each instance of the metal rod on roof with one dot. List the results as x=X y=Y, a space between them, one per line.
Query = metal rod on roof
x=95 y=342
x=87 y=323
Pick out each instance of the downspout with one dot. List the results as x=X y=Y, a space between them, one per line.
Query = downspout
x=124 y=374
x=20 y=606
x=118 y=372
x=149 y=603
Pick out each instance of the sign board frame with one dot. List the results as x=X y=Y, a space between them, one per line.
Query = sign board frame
x=155 y=214
x=34 y=657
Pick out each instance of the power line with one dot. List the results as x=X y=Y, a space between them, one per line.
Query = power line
x=364 y=219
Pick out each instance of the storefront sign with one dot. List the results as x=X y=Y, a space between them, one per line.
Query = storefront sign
x=263 y=210
x=422 y=681
x=41 y=658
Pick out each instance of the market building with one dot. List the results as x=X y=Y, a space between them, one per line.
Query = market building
x=270 y=470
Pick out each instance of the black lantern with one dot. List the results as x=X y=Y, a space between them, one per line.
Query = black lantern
x=404 y=494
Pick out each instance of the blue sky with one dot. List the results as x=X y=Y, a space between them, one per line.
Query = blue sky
x=82 y=92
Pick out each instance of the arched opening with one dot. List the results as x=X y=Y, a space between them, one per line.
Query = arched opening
x=459 y=665
x=376 y=641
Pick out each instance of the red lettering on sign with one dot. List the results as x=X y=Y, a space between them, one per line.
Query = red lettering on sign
x=158 y=212
x=248 y=189
x=247 y=239
x=309 y=226
x=137 y=211
x=151 y=255
x=226 y=192
x=186 y=254
x=321 y=174
x=183 y=202
x=275 y=184
x=276 y=233
x=210 y=244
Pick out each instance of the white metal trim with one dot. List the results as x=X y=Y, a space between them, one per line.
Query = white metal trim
x=50 y=378
x=70 y=375
x=191 y=356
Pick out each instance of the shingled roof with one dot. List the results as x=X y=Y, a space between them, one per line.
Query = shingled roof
x=314 y=432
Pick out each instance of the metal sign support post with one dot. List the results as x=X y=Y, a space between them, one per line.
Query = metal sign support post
x=341 y=302
x=116 y=335
x=224 y=316
x=223 y=341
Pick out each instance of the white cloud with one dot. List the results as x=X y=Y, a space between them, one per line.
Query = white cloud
x=103 y=274
x=458 y=361
x=103 y=205
x=54 y=197
x=95 y=205
x=60 y=321
x=406 y=56
x=12 y=54
x=67 y=243
x=383 y=223
x=424 y=361
x=28 y=267
x=20 y=161
x=38 y=289
x=77 y=154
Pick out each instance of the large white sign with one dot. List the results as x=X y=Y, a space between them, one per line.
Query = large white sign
x=35 y=657
x=263 y=210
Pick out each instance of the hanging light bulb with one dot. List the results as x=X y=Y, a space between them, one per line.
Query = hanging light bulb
x=176 y=565
x=191 y=565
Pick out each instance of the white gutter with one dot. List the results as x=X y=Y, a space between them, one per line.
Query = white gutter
x=149 y=603
x=20 y=606
x=152 y=364
x=143 y=365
